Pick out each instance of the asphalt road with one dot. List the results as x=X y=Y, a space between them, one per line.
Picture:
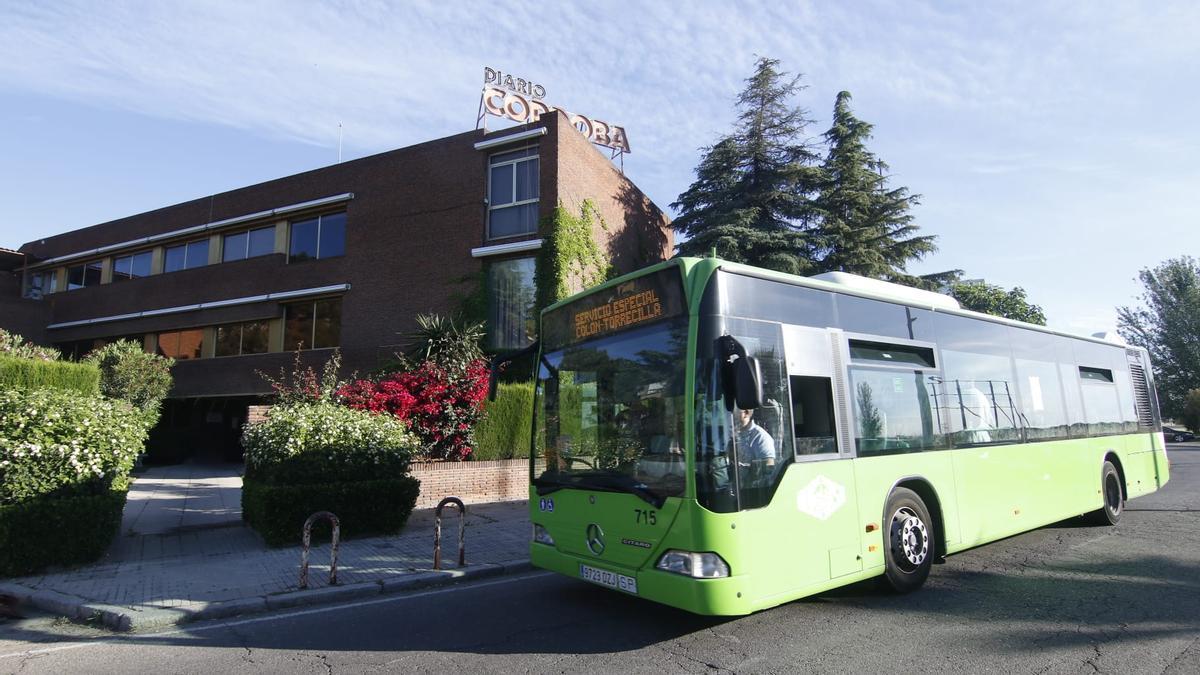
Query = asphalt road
x=1064 y=599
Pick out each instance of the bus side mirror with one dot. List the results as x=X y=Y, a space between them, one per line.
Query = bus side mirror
x=747 y=379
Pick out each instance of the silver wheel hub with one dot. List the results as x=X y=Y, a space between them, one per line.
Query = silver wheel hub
x=910 y=537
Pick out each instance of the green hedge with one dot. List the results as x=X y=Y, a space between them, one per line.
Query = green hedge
x=62 y=375
x=58 y=530
x=278 y=512
x=508 y=420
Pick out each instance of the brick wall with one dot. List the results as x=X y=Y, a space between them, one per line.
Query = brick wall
x=473 y=482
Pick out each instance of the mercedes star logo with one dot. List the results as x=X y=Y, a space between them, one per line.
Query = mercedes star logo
x=595 y=539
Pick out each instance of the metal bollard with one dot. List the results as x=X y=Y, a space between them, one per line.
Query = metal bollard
x=333 y=549
x=462 y=530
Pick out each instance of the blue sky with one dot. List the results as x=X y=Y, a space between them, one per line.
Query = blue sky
x=1054 y=144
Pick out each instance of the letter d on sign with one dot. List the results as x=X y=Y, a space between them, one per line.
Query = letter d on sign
x=489 y=75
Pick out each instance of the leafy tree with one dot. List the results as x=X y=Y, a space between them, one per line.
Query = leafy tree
x=1191 y=410
x=870 y=421
x=129 y=373
x=994 y=300
x=1168 y=326
x=750 y=200
x=865 y=226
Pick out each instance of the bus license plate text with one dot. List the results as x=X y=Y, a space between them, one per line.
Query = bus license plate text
x=610 y=579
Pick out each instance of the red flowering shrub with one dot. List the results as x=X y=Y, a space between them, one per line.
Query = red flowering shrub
x=442 y=407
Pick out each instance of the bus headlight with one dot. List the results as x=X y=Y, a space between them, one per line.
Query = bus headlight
x=541 y=536
x=696 y=565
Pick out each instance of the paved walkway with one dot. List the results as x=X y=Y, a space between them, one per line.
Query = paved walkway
x=183 y=555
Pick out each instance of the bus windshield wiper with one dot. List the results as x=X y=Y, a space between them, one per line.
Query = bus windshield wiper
x=620 y=482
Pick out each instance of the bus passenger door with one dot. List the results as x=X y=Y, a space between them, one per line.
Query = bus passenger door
x=819 y=489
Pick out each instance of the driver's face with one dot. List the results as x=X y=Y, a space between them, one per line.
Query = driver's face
x=744 y=416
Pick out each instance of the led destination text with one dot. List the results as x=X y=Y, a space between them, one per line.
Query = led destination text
x=617 y=314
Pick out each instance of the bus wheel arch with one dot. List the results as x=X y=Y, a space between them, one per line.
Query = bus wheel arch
x=1111 y=456
x=925 y=491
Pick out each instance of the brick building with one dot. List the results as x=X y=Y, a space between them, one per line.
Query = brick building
x=343 y=256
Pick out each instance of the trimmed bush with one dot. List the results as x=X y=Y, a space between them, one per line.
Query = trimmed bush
x=129 y=373
x=504 y=431
x=364 y=507
x=58 y=443
x=320 y=456
x=59 y=531
x=25 y=373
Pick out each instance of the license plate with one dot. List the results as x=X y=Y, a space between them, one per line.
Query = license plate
x=610 y=579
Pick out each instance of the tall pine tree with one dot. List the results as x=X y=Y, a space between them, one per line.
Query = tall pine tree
x=866 y=227
x=750 y=200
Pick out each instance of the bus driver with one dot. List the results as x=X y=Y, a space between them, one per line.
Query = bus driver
x=756 y=448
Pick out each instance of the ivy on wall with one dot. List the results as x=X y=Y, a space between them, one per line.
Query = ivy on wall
x=570 y=259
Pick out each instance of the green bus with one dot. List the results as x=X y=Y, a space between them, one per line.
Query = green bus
x=723 y=438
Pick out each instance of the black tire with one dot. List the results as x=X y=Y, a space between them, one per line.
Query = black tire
x=1114 y=497
x=909 y=541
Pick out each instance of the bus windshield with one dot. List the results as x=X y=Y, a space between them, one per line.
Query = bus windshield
x=610 y=414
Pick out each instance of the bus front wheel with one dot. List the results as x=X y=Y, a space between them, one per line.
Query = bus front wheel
x=1114 y=497
x=908 y=553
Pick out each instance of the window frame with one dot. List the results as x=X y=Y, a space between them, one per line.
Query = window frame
x=131 y=257
x=312 y=333
x=320 y=218
x=492 y=207
x=186 y=246
x=245 y=253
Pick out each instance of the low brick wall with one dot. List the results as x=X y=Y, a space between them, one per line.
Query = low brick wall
x=473 y=482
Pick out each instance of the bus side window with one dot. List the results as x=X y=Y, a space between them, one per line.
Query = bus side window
x=812 y=415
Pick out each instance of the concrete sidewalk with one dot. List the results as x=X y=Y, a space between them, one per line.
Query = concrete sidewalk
x=169 y=568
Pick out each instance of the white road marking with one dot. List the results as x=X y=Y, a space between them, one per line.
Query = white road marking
x=276 y=617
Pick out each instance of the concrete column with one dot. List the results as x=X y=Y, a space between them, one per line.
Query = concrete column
x=275 y=335
x=214 y=249
x=156 y=260
x=281 y=237
x=106 y=270
x=208 y=348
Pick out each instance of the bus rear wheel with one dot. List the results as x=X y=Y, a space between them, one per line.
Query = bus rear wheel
x=1114 y=497
x=908 y=551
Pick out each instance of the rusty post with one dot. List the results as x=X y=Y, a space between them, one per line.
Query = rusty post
x=333 y=549
x=462 y=531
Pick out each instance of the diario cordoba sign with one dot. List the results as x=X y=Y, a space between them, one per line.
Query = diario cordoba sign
x=521 y=101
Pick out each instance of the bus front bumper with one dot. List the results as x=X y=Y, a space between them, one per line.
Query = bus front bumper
x=728 y=596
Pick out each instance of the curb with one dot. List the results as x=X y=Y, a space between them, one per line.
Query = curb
x=146 y=617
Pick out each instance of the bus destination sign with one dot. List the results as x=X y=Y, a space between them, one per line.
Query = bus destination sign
x=618 y=313
x=635 y=303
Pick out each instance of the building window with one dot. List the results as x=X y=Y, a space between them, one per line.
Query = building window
x=315 y=324
x=186 y=256
x=250 y=244
x=81 y=276
x=132 y=266
x=181 y=345
x=243 y=338
x=511 y=319
x=320 y=237
x=513 y=193
x=42 y=283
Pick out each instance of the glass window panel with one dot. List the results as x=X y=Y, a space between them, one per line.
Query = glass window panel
x=892 y=411
x=527 y=179
x=762 y=299
x=513 y=220
x=511 y=295
x=229 y=340
x=262 y=242
x=122 y=268
x=197 y=253
x=333 y=235
x=174 y=258
x=234 y=247
x=91 y=273
x=191 y=344
x=874 y=317
x=256 y=337
x=862 y=350
x=52 y=286
x=168 y=344
x=812 y=415
x=514 y=154
x=328 y=327
x=501 y=185
x=303 y=243
x=141 y=264
x=74 y=277
x=980 y=398
x=298 y=326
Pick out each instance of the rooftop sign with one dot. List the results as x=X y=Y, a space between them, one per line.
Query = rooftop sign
x=521 y=101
